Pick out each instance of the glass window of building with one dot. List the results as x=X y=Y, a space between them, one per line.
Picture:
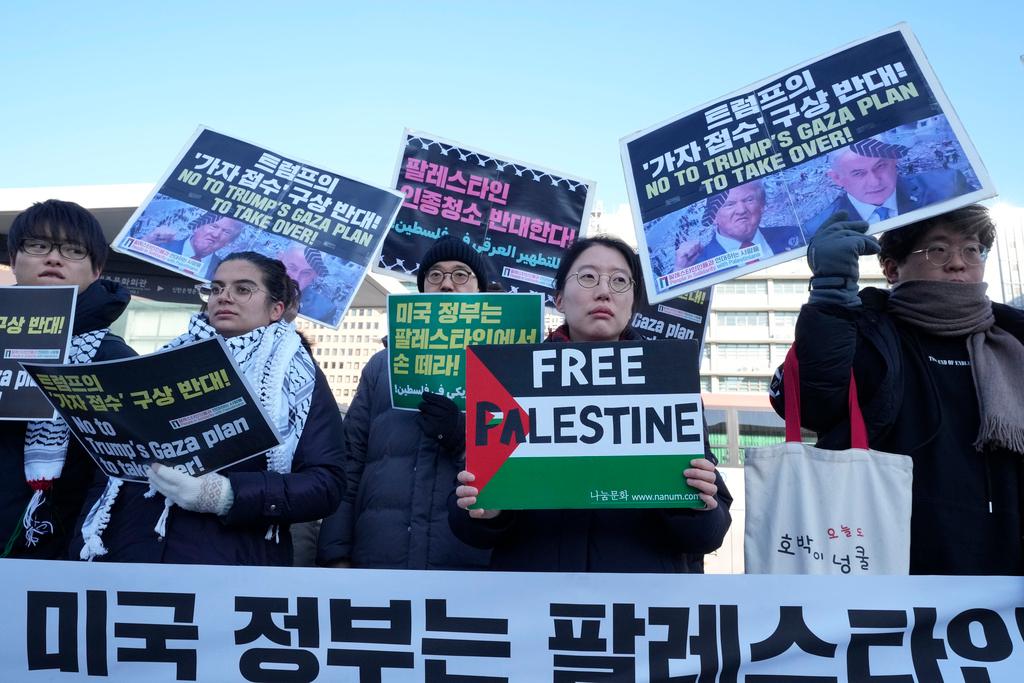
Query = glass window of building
x=785 y=319
x=741 y=318
x=750 y=385
x=743 y=287
x=790 y=287
x=745 y=357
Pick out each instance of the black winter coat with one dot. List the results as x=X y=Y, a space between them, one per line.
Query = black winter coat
x=97 y=308
x=953 y=529
x=394 y=514
x=263 y=499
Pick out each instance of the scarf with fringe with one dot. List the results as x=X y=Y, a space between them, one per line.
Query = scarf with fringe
x=955 y=309
x=46 y=445
x=283 y=376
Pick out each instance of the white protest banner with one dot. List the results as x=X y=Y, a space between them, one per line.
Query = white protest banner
x=72 y=621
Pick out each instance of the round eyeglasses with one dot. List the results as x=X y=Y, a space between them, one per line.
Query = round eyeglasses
x=618 y=282
x=973 y=253
x=40 y=247
x=459 y=277
x=239 y=291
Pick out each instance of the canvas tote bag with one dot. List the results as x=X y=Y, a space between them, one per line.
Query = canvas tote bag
x=814 y=511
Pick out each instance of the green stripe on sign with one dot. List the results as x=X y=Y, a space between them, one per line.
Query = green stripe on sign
x=635 y=481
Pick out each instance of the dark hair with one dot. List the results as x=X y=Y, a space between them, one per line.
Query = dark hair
x=55 y=220
x=580 y=246
x=969 y=221
x=279 y=285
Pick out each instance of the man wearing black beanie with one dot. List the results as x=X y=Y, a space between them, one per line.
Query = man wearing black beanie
x=449 y=255
x=401 y=464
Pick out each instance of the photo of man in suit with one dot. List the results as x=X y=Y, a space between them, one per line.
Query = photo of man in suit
x=306 y=266
x=736 y=215
x=209 y=233
x=873 y=189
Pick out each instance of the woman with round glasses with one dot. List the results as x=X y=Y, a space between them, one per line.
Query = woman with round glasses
x=241 y=514
x=598 y=287
x=938 y=368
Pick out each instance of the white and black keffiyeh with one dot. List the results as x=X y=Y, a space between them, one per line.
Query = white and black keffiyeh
x=46 y=444
x=283 y=375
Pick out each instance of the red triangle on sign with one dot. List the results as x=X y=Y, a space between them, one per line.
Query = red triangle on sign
x=485 y=459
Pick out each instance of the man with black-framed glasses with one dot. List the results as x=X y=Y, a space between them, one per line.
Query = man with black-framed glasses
x=938 y=368
x=401 y=464
x=44 y=474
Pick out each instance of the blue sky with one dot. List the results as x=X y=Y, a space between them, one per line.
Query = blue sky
x=96 y=93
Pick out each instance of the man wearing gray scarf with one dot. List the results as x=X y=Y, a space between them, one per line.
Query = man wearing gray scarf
x=940 y=371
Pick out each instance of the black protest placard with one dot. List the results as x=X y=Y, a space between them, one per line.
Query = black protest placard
x=225 y=195
x=744 y=182
x=685 y=317
x=189 y=408
x=35 y=326
x=519 y=216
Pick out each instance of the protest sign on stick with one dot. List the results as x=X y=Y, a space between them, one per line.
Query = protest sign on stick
x=521 y=216
x=743 y=182
x=223 y=195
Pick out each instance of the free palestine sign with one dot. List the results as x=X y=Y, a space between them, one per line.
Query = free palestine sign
x=592 y=425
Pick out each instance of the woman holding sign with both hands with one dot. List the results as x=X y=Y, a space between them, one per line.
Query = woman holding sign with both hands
x=239 y=516
x=598 y=286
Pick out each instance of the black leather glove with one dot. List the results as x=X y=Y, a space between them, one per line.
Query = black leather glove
x=441 y=420
x=833 y=256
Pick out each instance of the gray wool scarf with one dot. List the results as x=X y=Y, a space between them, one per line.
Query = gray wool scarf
x=956 y=309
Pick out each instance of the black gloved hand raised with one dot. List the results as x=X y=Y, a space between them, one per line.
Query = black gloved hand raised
x=833 y=255
x=441 y=420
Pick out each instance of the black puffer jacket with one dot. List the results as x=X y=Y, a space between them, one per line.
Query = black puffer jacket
x=97 y=308
x=394 y=514
x=967 y=506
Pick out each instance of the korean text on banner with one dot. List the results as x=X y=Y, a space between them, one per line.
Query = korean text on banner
x=744 y=182
x=428 y=334
x=521 y=216
x=189 y=408
x=224 y=195
x=36 y=324
x=89 y=620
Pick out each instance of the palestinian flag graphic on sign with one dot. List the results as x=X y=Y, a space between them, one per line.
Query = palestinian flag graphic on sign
x=583 y=425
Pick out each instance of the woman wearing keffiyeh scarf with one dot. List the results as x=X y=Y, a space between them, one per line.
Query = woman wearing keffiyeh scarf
x=236 y=516
x=939 y=368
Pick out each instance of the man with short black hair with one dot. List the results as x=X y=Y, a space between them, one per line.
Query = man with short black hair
x=44 y=474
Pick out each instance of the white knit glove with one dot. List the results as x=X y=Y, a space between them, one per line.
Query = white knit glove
x=206 y=493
